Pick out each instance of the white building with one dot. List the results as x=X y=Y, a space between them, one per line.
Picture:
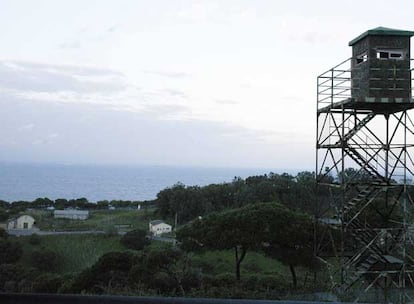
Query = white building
x=71 y=214
x=22 y=222
x=158 y=227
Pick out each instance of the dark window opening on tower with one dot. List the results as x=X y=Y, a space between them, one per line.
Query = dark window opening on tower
x=390 y=55
x=395 y=55
x=361 y=58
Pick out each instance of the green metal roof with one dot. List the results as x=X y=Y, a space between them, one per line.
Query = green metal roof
x=382 y=31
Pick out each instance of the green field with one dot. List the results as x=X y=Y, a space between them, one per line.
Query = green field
x=76 y=252
x=79 y=251
x=217 y=262
x=98 y=220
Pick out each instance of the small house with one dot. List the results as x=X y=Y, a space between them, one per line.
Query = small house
x=71 y=214
x=158 y=227
x=22 y=222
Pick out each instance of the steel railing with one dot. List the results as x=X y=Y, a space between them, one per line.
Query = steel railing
x=337 y=84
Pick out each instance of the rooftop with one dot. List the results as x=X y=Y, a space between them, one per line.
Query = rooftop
x=156 y=222
x=381 y=31
x=71 y=211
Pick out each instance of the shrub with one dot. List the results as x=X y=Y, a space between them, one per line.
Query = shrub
x=3 y=215
x=10 y=275
x=47 y=283
x=45 y=260
x=111 y=270
x=111 y=231
x=135 y=239
x=224 y=280
x=3 y=234
x=10 y=252
x=272 y=282
x=35 y=239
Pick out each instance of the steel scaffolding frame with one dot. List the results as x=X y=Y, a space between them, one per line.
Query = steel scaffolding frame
x=364 y=163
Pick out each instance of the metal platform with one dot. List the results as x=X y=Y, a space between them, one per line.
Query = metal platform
x=377 y=105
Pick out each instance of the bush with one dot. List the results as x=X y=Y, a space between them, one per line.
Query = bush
x=272 y=282
x=224 y=280
x=10 y=252
x=135 y=239
x=3 y=215
x=111 y=231
x=111 y=270
x=10 y=276
x=35 y=239
x=47 y=283
x=45 y=260
x=3 y=234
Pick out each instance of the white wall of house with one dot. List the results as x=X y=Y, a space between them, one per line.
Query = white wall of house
x=160 y=228
x=24 y=222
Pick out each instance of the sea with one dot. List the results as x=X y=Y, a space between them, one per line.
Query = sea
x=27 y=182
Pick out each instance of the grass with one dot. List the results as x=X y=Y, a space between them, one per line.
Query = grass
x=98 y=220
x=76 y=252
x=217 y=262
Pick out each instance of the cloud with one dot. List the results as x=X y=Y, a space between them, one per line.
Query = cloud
x=34 y=77
x=161 y=110
x=27 y=127
x=70 y=45
x=168 y=74
x=226 y=101
x=85 y=133
x=112 y=28
x=175 y=93
x=73 y=69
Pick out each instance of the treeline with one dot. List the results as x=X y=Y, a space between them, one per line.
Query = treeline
x=11 y=208
x=188 y=202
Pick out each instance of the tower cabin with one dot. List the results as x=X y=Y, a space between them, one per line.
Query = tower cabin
x=380 y=70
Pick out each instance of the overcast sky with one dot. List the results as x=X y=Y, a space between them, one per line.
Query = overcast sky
x=184 y=83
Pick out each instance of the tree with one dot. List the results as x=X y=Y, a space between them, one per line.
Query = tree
x=293 y=244
x=283 y=233
x=3 y=214
x=167 y=270
x=102 y=204
x=185 y=202
x=42 y=203
x=135 y=239
x=239 y=229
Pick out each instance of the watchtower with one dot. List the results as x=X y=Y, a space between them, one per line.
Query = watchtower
x=365 y=166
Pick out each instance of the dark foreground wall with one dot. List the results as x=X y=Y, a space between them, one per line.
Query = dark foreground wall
x=7 y=298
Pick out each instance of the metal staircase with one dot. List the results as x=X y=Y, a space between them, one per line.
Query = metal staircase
x=358 y=126
x=363 y=163
x=370 y=253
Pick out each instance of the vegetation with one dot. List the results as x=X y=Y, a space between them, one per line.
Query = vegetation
x=10 y=251
x=250 y=238
x=76 y=252
x=10 y=209
x=296 y=192
x=45 y=260
x=99 y=220
x=135 y=239
x=271 y=227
